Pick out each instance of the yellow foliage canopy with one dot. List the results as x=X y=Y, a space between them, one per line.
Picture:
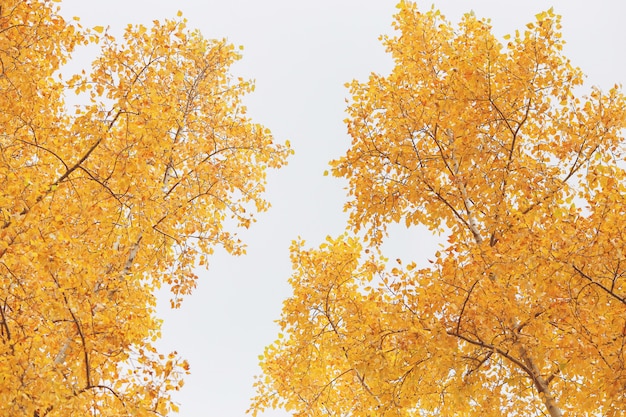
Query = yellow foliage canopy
x=523 y=313
x=101 y=205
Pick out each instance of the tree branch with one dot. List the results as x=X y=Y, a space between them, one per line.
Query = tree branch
x=597 y=284
x=528 y=366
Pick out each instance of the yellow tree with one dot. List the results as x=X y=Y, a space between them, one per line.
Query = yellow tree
x=523 y=311
x=103 y=203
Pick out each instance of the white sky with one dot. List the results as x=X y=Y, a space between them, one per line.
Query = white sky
x=301 y=53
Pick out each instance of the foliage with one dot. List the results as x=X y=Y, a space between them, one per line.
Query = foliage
x=523 y=311
x=103 y=203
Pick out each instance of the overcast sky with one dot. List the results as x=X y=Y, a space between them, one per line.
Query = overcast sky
x=301 y=53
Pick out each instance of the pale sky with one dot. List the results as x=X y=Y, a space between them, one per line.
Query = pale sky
x=301 y=53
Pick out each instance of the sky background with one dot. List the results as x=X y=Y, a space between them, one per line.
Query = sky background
x=301 y=53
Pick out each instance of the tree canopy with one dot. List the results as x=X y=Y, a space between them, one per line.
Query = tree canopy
x=104 y=202
x=523 y=311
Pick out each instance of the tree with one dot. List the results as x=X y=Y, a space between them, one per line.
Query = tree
x=103 y=203
x=523 y=310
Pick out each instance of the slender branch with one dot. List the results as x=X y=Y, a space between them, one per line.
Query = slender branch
x=494 y=348
x=43 y=148
x=104 y=387
x=469 y=293
x=447 y=203
x=597 y=284
x=71 y=169
x=526 y=364
x=358 y=374
x=80 y=334
x=444 y=158
x=76 y=165
x=83 y=342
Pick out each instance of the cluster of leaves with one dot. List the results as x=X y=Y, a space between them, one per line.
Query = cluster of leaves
x=101 y=205
x=523 y=312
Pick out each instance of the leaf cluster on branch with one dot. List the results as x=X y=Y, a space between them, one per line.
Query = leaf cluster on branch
x=523 y=312
x=103 y=203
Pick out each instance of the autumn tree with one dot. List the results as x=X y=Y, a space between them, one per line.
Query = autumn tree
x=523 y=311
x=104 y=202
